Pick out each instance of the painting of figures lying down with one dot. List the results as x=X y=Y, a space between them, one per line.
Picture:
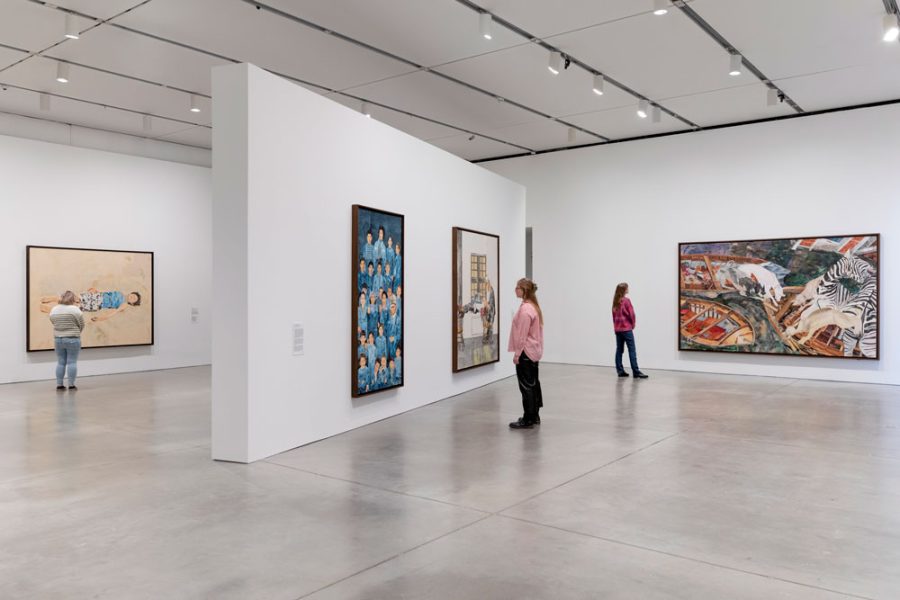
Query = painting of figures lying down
x=814 y=296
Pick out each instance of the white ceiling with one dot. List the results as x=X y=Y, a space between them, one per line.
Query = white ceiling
x=425 y=69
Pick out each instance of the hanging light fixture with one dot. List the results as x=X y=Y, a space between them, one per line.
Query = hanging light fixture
x=195 y=106
x=660 y=7
x=484 y=20
x=71 y=28
x=891 y=28
x=598 y=85
x=62 y=72
x=365 y=110
x=737 y=64
x=656 y=114
x=555 y=62
x=643 y=108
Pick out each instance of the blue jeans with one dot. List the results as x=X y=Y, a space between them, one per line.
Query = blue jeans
x=622 y=338
x=67 y=349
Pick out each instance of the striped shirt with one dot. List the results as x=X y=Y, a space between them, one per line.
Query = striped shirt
x=67 y=321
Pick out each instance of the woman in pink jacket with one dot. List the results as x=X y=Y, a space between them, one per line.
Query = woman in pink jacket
x=624 y=321
x=526 y=342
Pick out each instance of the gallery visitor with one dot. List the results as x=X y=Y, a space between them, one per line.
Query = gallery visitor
x=624 y=321
x=526 y=342
x=68 y=323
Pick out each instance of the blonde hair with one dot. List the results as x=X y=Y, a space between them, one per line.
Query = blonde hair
x=67 y=298
x=529 y=294
x=621 y=289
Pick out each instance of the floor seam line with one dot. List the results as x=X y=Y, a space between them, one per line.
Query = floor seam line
x=682 y=557
x=381 y=489
x=398 y=555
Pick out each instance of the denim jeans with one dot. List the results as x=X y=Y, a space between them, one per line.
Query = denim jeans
x=67 y=349
x=623 y=338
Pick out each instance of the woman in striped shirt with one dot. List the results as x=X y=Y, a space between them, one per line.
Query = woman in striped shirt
x=68 y=323
x=624 y=321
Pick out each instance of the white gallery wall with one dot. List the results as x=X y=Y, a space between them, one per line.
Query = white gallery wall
x=56 y=195
x=616 y=213
x=288 y=164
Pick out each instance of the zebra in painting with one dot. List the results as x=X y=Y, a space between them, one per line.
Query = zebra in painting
x=855 y=312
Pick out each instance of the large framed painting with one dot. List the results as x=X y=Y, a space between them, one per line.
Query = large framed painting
x=476 y=298
x=113 y=288
x=377 y=301
x=815 y=296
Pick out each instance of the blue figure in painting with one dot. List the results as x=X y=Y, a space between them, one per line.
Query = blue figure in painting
x=398 y=361
x=372 y=314
x=362 y=278
x=361 y=348
x=389 y=253
x=369 y=250
x=371 y=276
x=378 y=280
x=398 y=264
x=388 y=278
x=362 y=376
x=381 y=378
x=380 y=342
x=393 y=329
x=362 y=320
x=379 y=245
x=371 y=353
x=384 y=311
x=392 y=373
x=399 y=301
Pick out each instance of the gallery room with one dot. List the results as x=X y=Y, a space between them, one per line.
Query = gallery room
x=450 y=299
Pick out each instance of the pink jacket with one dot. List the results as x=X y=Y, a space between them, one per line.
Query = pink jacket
x=527 y=333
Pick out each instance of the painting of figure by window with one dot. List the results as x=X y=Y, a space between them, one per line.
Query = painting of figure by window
x=476 y=298
x=113 y=288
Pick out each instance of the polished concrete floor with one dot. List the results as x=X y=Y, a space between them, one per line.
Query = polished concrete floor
x=681 y=486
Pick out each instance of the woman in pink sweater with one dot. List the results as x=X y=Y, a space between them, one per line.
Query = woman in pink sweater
x=624 y=321
x=526 y=342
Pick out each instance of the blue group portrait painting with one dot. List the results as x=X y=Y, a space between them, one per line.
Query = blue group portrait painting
x=377 y=314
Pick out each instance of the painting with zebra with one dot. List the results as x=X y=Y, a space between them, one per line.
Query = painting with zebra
x=814 y=296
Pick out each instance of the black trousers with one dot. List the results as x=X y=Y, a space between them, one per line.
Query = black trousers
x=530 y=386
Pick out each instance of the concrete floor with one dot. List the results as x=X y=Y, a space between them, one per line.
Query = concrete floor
x=682 y=486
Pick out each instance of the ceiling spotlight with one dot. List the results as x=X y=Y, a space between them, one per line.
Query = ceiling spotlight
x=555 y=62
x=737 y=63
x=71 y=29
x=643 y=108
x=891 y=28
x=656 y=114
x=195 y=107
x=485 y=20
x=62 y=72
x=365 y=110
x=44 y=100
x=660 y=7
x=771 y=97
x=572 y=134
x=598 y=85
x=148 y=123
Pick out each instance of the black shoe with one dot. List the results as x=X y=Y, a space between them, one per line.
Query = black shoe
x=521 y=424
x=72 y=388
x=60 y=388
x=537 y=420
x=623 y=374
x=640 y=375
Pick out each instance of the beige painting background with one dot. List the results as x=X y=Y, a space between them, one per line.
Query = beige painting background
x=52 y=271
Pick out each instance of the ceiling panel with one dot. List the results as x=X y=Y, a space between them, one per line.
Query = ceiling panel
x=520 y=74
x=474 y=149
x=39 y=73
x=542 y=135
x=8 y=57
x=540 y=18
x=656 y=56
x=194 y=136
x=811 y=35
x=140 y=56
x=102 y=9
x=624 y=123
x=428 y=33
x=78 y=113
x=845 y=87
x=419 y=128
x=34 y=27
x=237 y=30
x=431 y=96
x=745 y=103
